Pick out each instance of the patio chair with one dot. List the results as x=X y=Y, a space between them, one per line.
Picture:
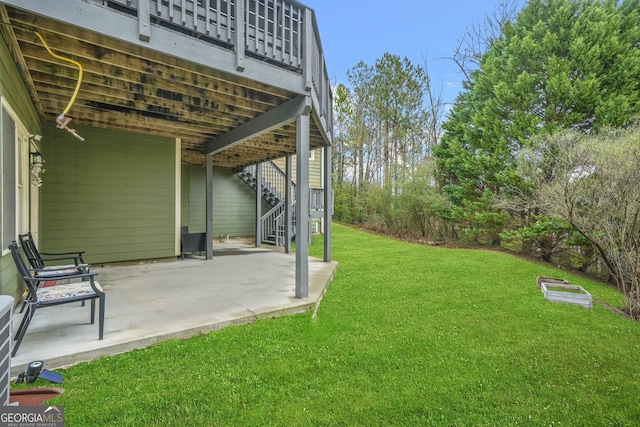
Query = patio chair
x=86 y=289
x=51 y=271
x=37 y=261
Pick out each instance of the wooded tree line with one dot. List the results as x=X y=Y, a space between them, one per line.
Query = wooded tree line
x=539 y=153
x=387 y=122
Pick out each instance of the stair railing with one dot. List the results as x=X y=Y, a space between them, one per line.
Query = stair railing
x=274 y=180
x=270 y=224
x=273 y=188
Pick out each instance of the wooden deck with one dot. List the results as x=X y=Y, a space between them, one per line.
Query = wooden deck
x=193 y=70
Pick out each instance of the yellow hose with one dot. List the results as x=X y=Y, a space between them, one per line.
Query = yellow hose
x=76 y=63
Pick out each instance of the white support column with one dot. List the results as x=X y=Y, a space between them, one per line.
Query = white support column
x=302 y=205
x=258 y=205
x=209 y=208
x=287 y=206
x=328 y=203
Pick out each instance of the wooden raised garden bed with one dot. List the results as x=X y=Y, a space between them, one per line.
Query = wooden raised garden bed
x=559 y=290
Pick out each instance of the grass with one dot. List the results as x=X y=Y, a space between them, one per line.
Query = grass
x=406 y=335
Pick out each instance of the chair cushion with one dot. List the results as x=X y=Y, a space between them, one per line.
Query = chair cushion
x=53 y=283
x=66 y=291
x=59 y=270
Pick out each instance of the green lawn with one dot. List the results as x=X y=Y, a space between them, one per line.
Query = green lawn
x=406 y=335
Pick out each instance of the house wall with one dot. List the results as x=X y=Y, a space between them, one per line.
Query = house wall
x=12 y=89
x=112 y=196
x=315 y=178
x=233 y=203
x=315 y=168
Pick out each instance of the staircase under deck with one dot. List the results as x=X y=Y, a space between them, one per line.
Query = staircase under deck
x=272 y=188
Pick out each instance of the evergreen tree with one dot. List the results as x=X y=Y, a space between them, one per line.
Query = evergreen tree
x=562 y=64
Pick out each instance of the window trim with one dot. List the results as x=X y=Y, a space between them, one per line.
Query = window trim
x=22 y=178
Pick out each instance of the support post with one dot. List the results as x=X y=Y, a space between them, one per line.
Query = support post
x=302 y=205
x=258 y=205
x=287 y=206
x=328 y=203
x=209 y=208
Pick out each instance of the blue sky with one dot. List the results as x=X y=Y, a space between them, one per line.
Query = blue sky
x=354 y=30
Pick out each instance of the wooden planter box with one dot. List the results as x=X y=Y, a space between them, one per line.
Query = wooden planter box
x=559 y=290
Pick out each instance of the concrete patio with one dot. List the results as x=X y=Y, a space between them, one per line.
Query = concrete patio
x=153 y=302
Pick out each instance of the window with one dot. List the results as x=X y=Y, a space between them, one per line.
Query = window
x=14 y=150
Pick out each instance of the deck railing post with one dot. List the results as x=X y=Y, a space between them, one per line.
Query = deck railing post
x=144 y=20
x=307 y=55
x=240 y=42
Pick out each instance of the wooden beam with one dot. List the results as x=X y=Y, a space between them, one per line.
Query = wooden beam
x=144 y=83
x=272 y=119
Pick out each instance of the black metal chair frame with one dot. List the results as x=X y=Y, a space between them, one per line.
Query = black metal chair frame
x=86 y=289
x=51 y=272
x=191 y=242
x=37 y=260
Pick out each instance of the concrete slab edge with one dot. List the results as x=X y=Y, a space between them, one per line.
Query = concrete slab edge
x=140 y=343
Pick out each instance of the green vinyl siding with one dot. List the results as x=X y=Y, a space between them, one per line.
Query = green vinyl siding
x=9 y=279
x=315 y=168
x=233 y=203
x=315 y=177
x=112 y=196
x=13 y=91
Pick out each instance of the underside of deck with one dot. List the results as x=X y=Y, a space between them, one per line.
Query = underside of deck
x=174 y=78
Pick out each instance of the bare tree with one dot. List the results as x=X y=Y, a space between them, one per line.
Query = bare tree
x=591 y=181
x=476 y=40
x=435 y=107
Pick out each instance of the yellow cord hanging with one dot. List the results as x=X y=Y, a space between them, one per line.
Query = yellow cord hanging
x=61 y=121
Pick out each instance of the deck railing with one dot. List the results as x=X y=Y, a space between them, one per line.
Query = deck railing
x=281 y=32
x=316 y=199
